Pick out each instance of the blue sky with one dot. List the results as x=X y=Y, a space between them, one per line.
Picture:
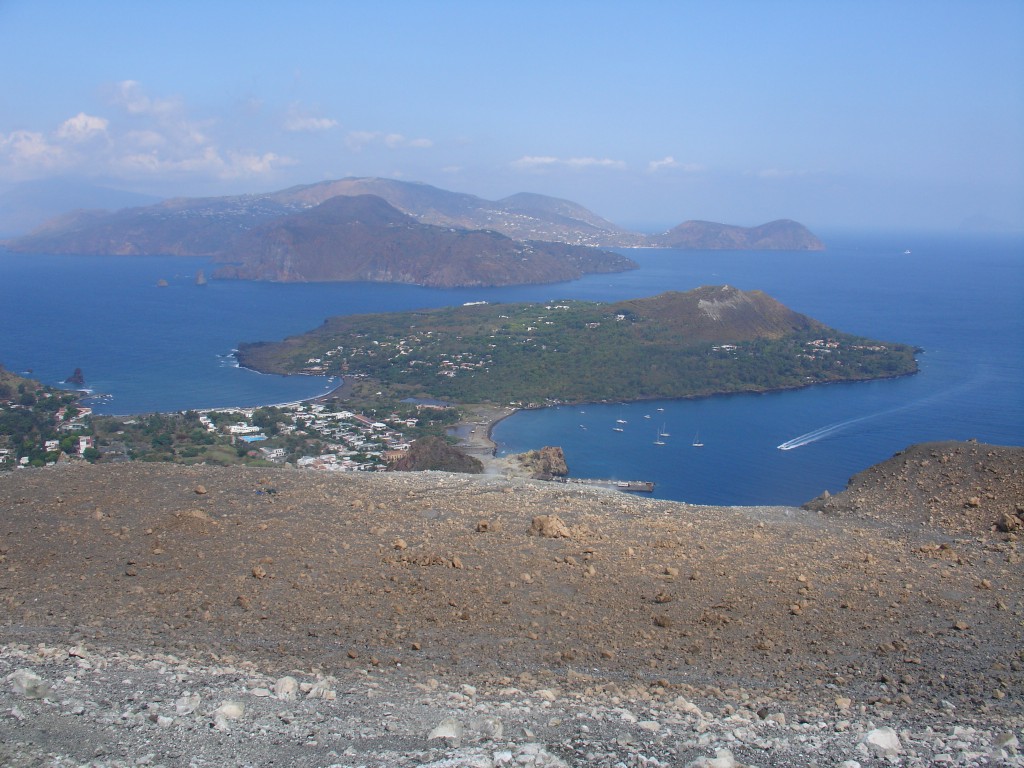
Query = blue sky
x=837 y=114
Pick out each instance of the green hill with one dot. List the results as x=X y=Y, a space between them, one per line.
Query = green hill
x=706 y=341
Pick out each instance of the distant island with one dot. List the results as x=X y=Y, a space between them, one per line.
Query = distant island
x=708 y=236
x=366 y=238
x=388 y=231
x=711 y=340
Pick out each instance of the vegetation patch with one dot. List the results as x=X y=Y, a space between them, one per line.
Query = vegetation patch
x=708 y=341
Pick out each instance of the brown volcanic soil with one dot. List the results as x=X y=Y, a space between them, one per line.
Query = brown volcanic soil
x=439 y=573
x=961 y=487
x=437 y=570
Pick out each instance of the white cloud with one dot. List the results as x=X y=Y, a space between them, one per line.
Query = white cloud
x=545 y=162
x=299 y=121
x=360 y=140
x=666 y=162
x=240 y=164
x=209 y=162
x=532 y=162
x=310 y=124
x=146 y=137
x=129 y=95
x=670 y=163
x=30 y=149
x=82 y=127
x=594 y=162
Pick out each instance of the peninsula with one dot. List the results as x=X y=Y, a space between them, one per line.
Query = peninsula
x=711 y=340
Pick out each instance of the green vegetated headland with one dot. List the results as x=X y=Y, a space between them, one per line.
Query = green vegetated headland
x=707 y=341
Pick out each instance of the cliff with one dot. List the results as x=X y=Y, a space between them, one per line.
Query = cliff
x=544 y=463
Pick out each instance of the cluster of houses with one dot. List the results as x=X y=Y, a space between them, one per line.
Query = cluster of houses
x=353 y=442
x=65 y=424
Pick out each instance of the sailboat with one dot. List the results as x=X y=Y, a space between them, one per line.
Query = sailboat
x=657 y=439
x=696 y=441
x=663 y=433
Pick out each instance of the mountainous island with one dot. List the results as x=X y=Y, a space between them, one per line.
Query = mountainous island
x=710 y=340
x=709 y=236
x=390 y=231
x=365 y=238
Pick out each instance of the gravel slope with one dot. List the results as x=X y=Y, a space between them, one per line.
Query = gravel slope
x=534 y=623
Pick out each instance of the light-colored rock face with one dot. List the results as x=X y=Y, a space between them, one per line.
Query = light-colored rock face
x=717 y=307
x=653 y=631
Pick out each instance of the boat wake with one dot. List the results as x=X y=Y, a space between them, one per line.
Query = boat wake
x=817 y=434
x=830 y=429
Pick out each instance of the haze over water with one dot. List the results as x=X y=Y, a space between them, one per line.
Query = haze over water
x=959 y=298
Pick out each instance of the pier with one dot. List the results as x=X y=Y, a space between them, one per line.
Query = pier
x=630 y=486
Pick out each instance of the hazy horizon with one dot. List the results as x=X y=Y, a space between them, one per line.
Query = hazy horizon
x=877 y=115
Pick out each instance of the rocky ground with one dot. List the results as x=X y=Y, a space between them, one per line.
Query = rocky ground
x=193 y=616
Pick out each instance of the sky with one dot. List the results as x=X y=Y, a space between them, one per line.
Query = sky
x=882 y=115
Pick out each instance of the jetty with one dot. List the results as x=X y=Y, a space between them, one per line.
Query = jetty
x=631 y=486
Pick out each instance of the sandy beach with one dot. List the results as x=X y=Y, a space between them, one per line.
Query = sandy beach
x=474 y=433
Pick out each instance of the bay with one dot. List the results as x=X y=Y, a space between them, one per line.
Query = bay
x=959 y=298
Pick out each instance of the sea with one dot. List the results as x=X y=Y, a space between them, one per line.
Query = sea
x=148 y=338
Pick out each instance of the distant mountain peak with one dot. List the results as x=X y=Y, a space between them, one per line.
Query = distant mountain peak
x=782 y=234
x=366 y=238
x=215 y=226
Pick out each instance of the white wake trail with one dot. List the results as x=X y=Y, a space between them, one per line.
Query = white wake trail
x=814 y=435
x=817 y=434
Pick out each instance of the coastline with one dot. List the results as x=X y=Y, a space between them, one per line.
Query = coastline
x=475 y=437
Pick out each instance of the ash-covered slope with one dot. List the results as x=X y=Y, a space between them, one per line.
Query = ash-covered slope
x=405 y=602
x=963 y=487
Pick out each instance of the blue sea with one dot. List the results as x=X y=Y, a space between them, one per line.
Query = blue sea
x=960 y=298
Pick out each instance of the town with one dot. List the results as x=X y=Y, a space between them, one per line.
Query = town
x=41 y=426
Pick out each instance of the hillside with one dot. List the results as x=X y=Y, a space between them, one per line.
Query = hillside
x=30 y=204
x=960 y=487
x=710 y=340
x=218 y=616
x=217 y=226
x=178 y=227
x=781 y=235
x=523 y=216
x=365 y=238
